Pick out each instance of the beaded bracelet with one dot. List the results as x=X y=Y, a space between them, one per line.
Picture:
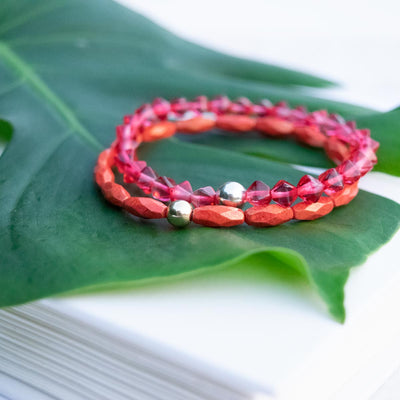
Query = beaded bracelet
x=352 y=149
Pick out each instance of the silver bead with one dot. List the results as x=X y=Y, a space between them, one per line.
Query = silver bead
x=231 y=194
x=179 y=213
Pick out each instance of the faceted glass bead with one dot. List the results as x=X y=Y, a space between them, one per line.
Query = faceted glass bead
x=362 y=162
x=203 y=197
x=332 y=181
x=349 y=172
x=146 y=178
x=309 y=189
x=200 y=103
x=161 y=188
x=284 y=193
x=133 y=170
x=179 y=105
x=219 y=104
x=182 y=191
x=161 y=107
x=369 y=153
x=241 y=106
x=146 y=112
x=258 y=194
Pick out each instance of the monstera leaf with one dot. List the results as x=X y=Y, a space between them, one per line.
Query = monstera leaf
x=69 y=70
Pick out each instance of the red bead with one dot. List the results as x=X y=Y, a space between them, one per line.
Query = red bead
x=310 y=135
x=361 y=161
x=284 y=193
x=158 y=131
x=274 y=126
x=145 y=207
x=103 y=176
x=219 y=105
x=145 y=111
x=346 y=195
x=115 y=194
x=161 y=188
x=195 y=125
x=200 y=103
x=270 y=215
x=161 y=107
x=258 y=194
x=133 y=170
x=179 y=105
x=182 y=191
x=332 y=181
x=336 y=150
x=349 y=172
x=218 y=216
x=309 y=189
x=311 y=211
x=241 y=106
x=146 y=179
x=237 y=123
x=370 y=154
x=203 y=197
x=105 y=158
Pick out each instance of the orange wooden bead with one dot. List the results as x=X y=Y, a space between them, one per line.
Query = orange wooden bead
x=270 y=215
x=274 y=126
x=237 y=123
x=158 y=131
x=195 y=125
x=115 y=194
x=336 y=150
x=103 y=176
x=145 y=207
x=218 y=216
x=310 y=211
x=310 y=135
x=105 y=158
x=346 y=195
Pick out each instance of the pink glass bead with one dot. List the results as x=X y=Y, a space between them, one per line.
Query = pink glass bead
x=161 y=188
x=146 y=178
x=349 y=172
x=241 y=106
x=161 y=107
x=146 y=112
x=284 y=193
x=182 y=191
x=369 y=153
x=362 y=162
x=219 y=105
x=309 y=189
x=332 y=181
x=200 y=103
x=203 y=197
x=258 y=194
x=351 y=124
x=179 y=105
x=133 y=170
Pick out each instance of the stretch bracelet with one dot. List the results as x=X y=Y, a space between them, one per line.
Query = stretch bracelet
x=352 y=149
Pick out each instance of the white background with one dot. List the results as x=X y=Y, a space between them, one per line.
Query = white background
x=273 y=332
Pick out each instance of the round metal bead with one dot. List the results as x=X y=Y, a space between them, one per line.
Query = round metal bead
x=231 y=194
x=179 y=213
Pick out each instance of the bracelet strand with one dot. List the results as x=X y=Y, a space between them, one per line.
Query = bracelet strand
x=352 y=149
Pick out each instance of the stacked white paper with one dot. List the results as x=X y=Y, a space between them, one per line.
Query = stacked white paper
x=46 y=353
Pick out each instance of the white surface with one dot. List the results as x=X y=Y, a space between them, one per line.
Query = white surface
x=271 y=330
x=356 y=43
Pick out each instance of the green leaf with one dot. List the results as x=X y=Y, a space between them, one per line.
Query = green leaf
x=385 y=129
x=69 y=70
